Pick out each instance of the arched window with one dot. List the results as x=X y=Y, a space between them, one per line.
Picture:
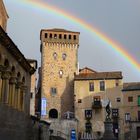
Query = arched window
x=55 y=36
x=50 y=35
x=53 y=113
x=55 y=55
x=69 y=36
x=74 y=37
x=60 y=73
x=23 y=80
x=60 y=36
x=13 y=70
x=6 y=63
x=65 y=36
x=18 y=76
x=64 y=56
x=46 y=35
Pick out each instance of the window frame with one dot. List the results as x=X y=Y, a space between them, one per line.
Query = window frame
x=91 y=86
x=55 y=55
x=102 y=85
x=118 y=101
x=130 y=98
x=64 y=56
x=127 y=117
x=53 y=91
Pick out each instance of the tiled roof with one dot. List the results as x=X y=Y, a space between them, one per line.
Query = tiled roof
x=88 y=69
x=131 y=86
x=99 y=76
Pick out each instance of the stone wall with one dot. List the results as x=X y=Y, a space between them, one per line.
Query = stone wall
x=62 y=128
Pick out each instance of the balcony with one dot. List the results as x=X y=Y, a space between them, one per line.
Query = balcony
x=96 y=104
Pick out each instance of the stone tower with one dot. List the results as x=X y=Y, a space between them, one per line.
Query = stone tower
x=3 y=15
x=59 y=62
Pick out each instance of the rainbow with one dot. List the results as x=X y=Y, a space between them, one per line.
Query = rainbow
x=110 y=43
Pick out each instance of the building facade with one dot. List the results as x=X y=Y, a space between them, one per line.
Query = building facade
x=131 y=108
x=15 y=85
x=59 y=62
x=92 y=92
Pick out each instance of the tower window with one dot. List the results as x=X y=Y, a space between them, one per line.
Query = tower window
x=64 y=56
x=55 y=55
x=60 y=36
x=60 y=73
x=69 y=36
x=74 y=37
x=50 y=35
x=46 y=35
x=53 y=91
x=79 y=101
x=55 y=36
x=65 y=36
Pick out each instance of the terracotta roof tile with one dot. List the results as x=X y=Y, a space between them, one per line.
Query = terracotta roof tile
x=99 y=76
x=131 y=86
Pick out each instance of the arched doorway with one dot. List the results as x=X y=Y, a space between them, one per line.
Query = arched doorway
x=53 y=113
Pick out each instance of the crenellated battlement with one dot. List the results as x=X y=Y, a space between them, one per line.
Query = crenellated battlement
x=59 y=36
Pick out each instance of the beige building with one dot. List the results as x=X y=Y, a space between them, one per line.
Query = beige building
x=131 y=108
x=92 y=92
x=59 y=62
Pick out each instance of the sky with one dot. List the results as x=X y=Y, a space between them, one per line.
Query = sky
x=118 y=20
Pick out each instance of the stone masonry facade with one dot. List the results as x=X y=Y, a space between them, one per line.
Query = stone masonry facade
x=59 y=62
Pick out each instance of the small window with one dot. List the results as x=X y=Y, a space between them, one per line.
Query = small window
x=46 y=35
x=50 y=35
x=74 y=37
x=130 y=99
x=53 y=91
x=60 y=36
x=55 y=36
x=118 y=99
x=115 y=113
x=69 y=36
x=55 y=55
x=117 y=83
x=65 y=36
x=102 y=86
x=60 y=73
x=127 y=117
x=79 y=101
x=64 y=56
x=88 y=113
x=91 y=86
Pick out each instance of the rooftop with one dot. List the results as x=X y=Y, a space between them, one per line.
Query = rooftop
x=131 y=86
x=99 y=76
x=59 y=30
